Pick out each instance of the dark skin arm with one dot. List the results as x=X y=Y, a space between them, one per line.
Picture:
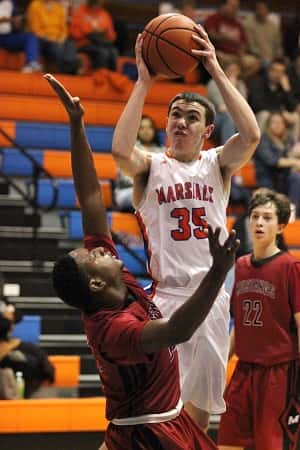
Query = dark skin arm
x=84 y=173
x=180 y=327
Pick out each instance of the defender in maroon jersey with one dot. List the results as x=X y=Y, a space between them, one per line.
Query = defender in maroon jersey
x=263 y=396
x=134 y=347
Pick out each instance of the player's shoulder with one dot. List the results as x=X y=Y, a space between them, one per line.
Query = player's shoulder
x=212 y=154
x=290 y=260
x=157 y=157
x=243 y=260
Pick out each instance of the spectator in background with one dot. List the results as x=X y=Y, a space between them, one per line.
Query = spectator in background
x=14 y=39
x=48 y=20
x=148 y=141
x=93 y=31
x=189 y=9
x=224 y=125
x=264 y=36
x=229 y=37
x=290 y=25
x=272 y=91
x=276 y=162
x=294 y=76
x=18 y=355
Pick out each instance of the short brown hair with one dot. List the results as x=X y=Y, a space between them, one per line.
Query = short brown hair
x=189 y=97
x=264 y=195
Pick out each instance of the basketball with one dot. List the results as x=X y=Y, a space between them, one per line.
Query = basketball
x=167 y=44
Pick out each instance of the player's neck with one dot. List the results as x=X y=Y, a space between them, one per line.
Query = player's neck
x=182 y=156
x=261 y=251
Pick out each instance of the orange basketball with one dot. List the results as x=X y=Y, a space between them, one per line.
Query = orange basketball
x=167 y=44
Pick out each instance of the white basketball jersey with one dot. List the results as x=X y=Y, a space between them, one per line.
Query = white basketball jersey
x=178 y=202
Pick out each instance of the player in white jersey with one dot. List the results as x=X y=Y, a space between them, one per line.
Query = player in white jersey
x=176 y=195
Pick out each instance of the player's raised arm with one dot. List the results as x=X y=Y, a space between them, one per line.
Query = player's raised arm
x=85 y=177
x=239 y=148
x=182 y=324
x=131 y=160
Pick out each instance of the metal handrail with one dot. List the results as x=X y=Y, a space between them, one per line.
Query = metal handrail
x=38 y=171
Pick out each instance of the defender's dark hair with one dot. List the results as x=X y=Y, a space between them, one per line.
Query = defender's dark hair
x=264 y=195
x=71 y=283
x=189 y=97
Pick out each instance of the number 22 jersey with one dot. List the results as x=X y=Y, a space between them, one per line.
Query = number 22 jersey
x=265 y=297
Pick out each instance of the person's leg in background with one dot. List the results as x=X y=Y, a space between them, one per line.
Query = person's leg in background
x=26 y=42
x=294 y=190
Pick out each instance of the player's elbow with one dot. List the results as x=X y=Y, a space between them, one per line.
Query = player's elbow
x=253 y=136
x=179 y=334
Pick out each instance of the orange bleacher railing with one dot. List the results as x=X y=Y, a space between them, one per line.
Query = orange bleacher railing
x=58 y=163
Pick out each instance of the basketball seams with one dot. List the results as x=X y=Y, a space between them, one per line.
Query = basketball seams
x=167 y=45
x=159 y=36
x=152 y=34
x=164 y=61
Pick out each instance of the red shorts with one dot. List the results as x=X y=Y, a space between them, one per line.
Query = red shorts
x=262 y=408
x=178 y=434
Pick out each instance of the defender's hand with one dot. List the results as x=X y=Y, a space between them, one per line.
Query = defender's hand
x=72 y=104
x=223 y=255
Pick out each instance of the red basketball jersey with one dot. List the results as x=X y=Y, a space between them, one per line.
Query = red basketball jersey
x=265 y=298
x=134 y=383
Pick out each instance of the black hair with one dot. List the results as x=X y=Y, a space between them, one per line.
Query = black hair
x=155 y=139
x=278 y=60
x=189 y=97
x=264 y=195
x=71 y=283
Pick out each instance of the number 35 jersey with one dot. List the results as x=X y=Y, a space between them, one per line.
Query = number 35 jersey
x=179 y=201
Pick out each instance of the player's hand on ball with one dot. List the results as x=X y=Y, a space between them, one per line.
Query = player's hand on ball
x=71 y=104
x=223 y=255
x=206 y=52
x=143 y=72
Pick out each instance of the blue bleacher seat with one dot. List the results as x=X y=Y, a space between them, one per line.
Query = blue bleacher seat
x=16 y=164
x=29 y=329
x=66 y=193
x=57 y=136
x=75 y=223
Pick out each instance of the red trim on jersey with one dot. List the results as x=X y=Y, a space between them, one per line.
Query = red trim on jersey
x=168 y=154
x=147 y=250
x=146 y=240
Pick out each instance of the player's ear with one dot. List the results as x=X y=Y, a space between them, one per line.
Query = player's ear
x=281 y=227
x=96 y=284
x=209 y=130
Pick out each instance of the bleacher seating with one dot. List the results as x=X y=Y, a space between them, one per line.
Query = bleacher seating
x=28 y=329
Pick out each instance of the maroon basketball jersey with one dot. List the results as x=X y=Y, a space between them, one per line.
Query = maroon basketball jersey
x=134 y=383
x=265 y=298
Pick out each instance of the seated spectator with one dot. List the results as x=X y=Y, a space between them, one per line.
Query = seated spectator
x=189 y=9
x=239 y=194
x=148 y=140
x=290 y=25
x=224 y=125
x=21 y=356
x=277 y=166
x=294 y=76
x=264 y=36
x=229 y=37
x=93 y=32
x=14 y=39
x=272 y=91
x=47 y=19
